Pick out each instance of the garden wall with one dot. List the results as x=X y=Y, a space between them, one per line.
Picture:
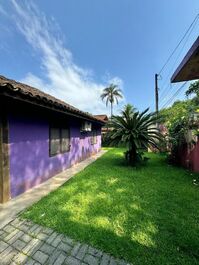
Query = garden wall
x=189 y=157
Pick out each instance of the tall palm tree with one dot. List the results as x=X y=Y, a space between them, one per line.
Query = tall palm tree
x=111 y=94
x=135 y=130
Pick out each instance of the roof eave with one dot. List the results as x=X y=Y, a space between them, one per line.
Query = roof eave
x=189 y=67
x=8 y=91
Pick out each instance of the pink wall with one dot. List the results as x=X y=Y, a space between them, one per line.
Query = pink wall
x=189 y=157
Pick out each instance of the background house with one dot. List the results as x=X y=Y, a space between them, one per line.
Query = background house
x=39 y=137
x=105 y=119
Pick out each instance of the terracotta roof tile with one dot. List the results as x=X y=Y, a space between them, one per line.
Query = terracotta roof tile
x=42 y=97
x=102 y=117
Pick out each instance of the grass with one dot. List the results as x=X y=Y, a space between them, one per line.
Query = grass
x=146 y=216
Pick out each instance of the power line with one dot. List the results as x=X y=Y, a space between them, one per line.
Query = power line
x=165 y=91
x=172 y=69
x=195 y=19
x=170 y=97
x=175 y=95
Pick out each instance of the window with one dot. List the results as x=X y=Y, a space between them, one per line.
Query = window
x=94 y=137
x=59 y=140
x=86 y=126
x=65 y=140
x=54 y=141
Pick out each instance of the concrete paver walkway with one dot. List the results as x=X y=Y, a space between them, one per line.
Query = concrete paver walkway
x=9 y=210
x=23 y=242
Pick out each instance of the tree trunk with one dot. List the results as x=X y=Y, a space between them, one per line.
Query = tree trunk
x=111 y=109
x=132 y=155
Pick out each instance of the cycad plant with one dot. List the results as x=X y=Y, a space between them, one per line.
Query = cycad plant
x=135 y=130
x=111 y=94
x=128 y=110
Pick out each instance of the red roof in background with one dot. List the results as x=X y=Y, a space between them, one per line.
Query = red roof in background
x=102 y=117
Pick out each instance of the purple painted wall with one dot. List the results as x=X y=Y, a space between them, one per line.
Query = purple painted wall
x=30 y=163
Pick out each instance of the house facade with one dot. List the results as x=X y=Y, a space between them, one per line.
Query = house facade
x=40 y=136
x=105 y=119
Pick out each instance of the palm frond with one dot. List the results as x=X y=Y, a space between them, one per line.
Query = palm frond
x=135 y=129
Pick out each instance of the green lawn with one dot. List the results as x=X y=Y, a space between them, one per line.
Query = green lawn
x=147 y=216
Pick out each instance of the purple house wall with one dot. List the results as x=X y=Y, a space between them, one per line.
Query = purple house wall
x=34 y=126
x=30 y=162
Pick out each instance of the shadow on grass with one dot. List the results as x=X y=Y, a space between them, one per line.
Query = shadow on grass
x=146 y=216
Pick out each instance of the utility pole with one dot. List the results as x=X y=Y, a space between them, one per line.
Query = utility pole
x=156 y=94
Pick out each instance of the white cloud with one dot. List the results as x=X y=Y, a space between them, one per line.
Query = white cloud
x=62 y=77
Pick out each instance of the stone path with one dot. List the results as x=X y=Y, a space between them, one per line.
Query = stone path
x=23 y=242
x=9 y=210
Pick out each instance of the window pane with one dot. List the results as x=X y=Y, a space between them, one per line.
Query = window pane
x=92 y=142
x=65 y=140
x=54 y=141
x=94 y=137
x=95 y=141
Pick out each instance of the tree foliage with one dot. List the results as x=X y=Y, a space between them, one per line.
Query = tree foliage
x=193 y=89
x=181 y=110
x=178 y=117
x=176 y=112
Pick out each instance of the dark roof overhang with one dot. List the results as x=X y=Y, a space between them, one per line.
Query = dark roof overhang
x=189 y=67
x=36 y=97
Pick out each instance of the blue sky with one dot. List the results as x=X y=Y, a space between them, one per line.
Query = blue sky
x=75 y=48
